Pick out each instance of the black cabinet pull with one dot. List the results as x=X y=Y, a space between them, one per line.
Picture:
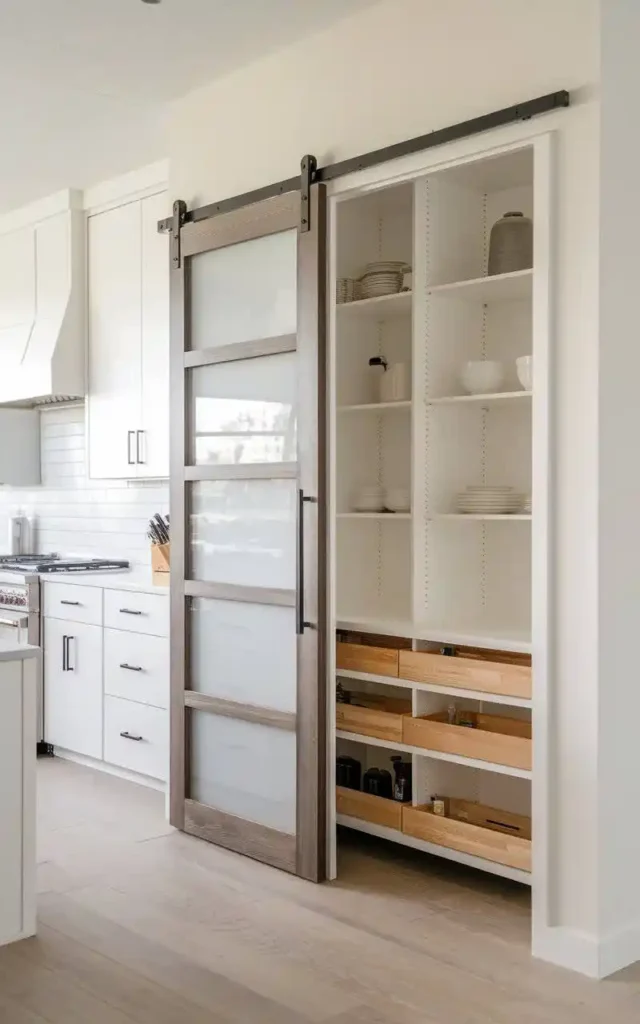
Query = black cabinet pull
x=129 y=736
x=130 y=435
x=69 y=666
x=129 y=611
x=76 y=604
x=130 y=668
x=139 y=452
x=301 y=622
x=64 y=654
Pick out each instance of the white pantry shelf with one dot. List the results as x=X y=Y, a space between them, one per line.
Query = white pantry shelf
x=488 y=636
x=386 y=516
x=497 y=288
x=517 y=517
x=378 y=308
x=395 y=836
x=494 y=398
x=374 y=406
x=450 y=691
x=435 y=755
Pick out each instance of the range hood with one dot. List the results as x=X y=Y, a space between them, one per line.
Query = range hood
x=42 y=302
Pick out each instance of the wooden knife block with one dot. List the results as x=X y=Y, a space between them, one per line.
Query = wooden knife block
x=160 y=557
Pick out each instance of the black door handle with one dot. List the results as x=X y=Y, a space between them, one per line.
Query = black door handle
x=64 y=654
x=130 y=668
x=139 y=437
x=129 y=736
x=301 y=622
x=69 y=639
x=130 y=435
x=129 y=611
x=76 y=604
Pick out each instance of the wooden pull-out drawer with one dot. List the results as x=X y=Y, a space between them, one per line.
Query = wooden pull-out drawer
x=466 y=673
x=495 y=844
x=376 y=809
x=373 y=716
x=379 y=661
x=72 y=602
x=494 y=738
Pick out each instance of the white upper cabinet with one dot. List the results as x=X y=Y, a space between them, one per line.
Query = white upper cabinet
x=128 y=341
x=17 y=293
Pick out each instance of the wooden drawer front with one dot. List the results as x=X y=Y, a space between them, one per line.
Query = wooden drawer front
x=466 y=837
x=501 y=740
x=136 y=667
x=77 y=604
x=466 y=673
x=137 y=613
x=382 y=719
x=145 y=748
x=379 y=661
x=376 y=809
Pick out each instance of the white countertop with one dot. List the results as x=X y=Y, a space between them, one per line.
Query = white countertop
x=13 y=652
x=141 y=580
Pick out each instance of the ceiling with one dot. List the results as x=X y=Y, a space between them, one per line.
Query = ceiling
x=85 y=83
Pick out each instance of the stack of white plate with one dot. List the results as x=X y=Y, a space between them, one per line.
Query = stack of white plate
x=382 y=278
x=369 y=499
x=526 y=504
x=488 y=500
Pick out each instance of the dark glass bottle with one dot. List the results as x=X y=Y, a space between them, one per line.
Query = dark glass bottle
x=402 y=789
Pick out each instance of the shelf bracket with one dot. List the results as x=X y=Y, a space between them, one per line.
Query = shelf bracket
x=177 y=221
x=308 y=166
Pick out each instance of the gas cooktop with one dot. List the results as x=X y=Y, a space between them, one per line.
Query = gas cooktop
x=54 y=563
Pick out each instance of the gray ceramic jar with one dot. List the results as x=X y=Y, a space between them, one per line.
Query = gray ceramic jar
x=511 y=244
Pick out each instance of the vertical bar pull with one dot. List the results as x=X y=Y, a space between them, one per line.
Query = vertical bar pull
x=301 y=622
x=130 y=436
x=64 y=654
x=140 y=457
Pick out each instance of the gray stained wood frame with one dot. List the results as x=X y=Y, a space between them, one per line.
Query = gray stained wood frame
x=305 y=852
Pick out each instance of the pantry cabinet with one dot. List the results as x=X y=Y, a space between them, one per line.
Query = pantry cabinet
x=128 y=358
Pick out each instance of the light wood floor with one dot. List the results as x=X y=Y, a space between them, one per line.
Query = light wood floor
x=142 y=924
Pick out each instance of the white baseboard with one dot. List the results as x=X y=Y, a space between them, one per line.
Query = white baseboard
x=111 y=769
x=584 y=953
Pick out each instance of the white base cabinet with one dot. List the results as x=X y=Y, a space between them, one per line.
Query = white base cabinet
x=106 y=676
x=73 y=686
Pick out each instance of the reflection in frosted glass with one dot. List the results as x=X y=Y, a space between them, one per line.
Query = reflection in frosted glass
x=243 y=532
x=244 y=412
x=244 y=652
x=245 y=769
x=244 y=291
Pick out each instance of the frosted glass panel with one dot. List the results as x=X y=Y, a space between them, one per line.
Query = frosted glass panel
x=244 y=769
x=244 y=652
x=245 y=291
x=244 y=411
x=243 y=532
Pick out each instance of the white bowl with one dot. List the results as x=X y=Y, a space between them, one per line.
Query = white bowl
x=524 y=369
x=397 y=499
x=482 y=377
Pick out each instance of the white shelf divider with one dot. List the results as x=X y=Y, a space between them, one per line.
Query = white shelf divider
x=395 y=836
x=487 y=636
x=517 y=517
x=497 y=288
x=494 y=398
x=374 y=406
x=378 y=308
x=386 y=516
x=436 y=755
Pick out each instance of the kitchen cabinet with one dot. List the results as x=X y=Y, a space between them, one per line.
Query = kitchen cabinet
x=128 y=272
x=73 y=686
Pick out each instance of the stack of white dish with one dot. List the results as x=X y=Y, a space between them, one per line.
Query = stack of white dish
x=382 y=278
x=488 y=500
x=369 y=498
x=526 y=504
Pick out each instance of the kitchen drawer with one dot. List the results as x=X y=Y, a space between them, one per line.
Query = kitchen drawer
x=137 y=613
x=136 y=667
x=376 y=809
x=379 y=661
x=507 y=840
x=136 y=736
x=492 y=738
x=72 y=602
x=466 y=673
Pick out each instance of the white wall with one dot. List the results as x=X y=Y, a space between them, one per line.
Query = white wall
x=401 y=69
x=77 y=516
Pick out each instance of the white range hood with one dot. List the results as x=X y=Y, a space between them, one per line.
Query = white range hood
x=42 y=302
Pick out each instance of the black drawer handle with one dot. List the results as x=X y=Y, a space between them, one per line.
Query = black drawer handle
x=130 y=668
x=129 y=736
x=129 y=611
x=76 y=604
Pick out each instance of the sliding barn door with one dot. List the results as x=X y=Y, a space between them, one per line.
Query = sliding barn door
x=247 y=518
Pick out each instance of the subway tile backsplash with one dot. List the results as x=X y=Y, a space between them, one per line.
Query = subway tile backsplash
x=77 y=516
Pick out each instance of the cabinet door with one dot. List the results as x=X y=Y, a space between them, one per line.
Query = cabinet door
x=152 y=448
x=73 y=686
x=115 y=311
